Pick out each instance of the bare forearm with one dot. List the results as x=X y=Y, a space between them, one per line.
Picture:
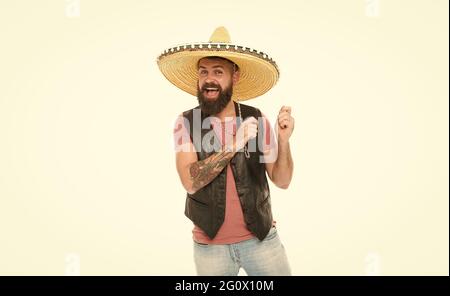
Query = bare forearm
x=284 y=166
x=204 y=171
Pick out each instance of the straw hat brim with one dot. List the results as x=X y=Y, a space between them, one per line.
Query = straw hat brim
x=258 y=72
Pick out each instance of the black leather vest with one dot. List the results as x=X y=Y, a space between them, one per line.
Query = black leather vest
x=206 y=207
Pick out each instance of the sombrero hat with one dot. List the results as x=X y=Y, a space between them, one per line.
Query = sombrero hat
x=258 y=72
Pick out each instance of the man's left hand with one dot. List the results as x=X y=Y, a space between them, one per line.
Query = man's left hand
x=285 y=124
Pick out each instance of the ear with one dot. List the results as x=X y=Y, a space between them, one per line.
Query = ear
x=236 y=76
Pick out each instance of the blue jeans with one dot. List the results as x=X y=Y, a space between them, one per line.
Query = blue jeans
x=266 y=257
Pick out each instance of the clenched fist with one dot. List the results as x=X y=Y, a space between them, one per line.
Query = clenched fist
x=285 y=124
x=247 y=131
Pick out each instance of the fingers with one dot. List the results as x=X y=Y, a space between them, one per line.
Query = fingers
x=284 y=117
x=250 y=119
x=284 y=123
x=250 y=126
x=285 y=109
x=247 y=130
x=250 y=130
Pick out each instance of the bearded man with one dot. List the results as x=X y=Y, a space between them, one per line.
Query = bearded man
x=224 y=152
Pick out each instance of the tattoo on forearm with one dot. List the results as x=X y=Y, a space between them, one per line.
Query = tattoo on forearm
x=204 y=171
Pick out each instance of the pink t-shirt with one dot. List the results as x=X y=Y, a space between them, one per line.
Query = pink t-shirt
x=234 y=228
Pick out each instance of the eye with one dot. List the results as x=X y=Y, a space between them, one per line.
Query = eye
x=203 y=72
x=218 y=72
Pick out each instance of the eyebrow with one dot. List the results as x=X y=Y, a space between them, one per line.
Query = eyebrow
x=216 y=66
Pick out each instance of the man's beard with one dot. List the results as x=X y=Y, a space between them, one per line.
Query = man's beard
x=214 y=106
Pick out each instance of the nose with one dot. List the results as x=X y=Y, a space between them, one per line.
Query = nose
x=209 y=78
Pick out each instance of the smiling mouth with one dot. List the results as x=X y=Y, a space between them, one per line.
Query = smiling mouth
x=211 y=92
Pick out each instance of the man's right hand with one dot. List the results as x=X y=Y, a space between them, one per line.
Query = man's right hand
x=247 y=131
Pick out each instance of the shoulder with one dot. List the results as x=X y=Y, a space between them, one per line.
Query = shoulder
x=184 y=118
x=190 y=111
